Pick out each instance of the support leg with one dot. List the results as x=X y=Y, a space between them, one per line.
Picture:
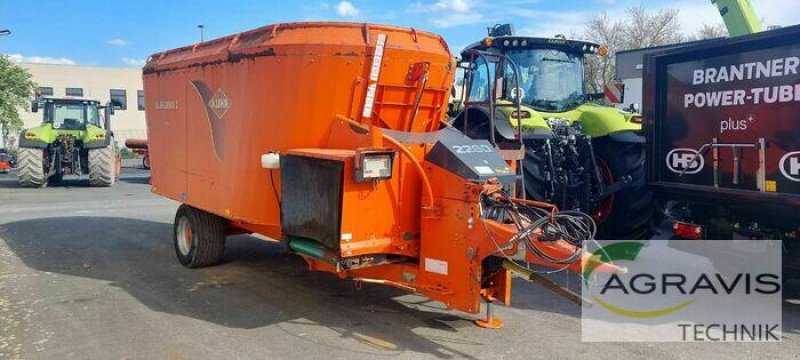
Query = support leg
x=490 y=322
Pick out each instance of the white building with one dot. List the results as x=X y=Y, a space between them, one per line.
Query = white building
x=100 y=83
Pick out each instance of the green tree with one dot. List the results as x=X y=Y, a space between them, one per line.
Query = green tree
x=16 y=90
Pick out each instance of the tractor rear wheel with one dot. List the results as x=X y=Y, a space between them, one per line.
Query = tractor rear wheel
x=632 y=210
x=626 y=214
x=30 y=168
x=199 y=237
x=103 y=165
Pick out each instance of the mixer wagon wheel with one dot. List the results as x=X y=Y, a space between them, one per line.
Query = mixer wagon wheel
x=199 y=237
x=632 y=210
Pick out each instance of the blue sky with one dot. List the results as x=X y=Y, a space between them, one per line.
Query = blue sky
x=124 y=33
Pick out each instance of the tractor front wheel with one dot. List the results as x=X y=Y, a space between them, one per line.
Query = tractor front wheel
x=199 y=237
x=31 y=168
x=103 y=166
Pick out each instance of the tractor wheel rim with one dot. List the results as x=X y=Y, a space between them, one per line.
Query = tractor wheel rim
x=603 y=210
x=184 y=235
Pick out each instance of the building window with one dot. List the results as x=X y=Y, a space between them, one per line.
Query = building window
x=140 y=96
x=119 y=98
x=46 y=91
x=74 y=92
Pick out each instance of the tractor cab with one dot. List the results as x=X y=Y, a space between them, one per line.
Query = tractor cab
x=551 y=70
x=550 y=78
x=72 y=113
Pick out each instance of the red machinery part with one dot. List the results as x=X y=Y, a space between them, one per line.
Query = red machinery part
x=688 y=231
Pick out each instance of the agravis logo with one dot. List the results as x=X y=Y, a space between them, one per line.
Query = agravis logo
x=682 y=291
x=627 y=250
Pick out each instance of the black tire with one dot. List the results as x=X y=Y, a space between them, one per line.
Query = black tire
x=633 y=211
x=102 y=165
x=30 y=169
x=205 y=242
x=55 y=179
x=535 y=181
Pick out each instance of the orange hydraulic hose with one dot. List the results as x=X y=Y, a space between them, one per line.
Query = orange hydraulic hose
x=425 y=181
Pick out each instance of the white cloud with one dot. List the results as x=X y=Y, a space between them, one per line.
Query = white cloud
x=347 y=9
x=459 y=6
x=452 y=20
x=545 y=23
x=777 y=12
x=117 y=42
x=133 y=62
x=448 y=13
x=18 y=58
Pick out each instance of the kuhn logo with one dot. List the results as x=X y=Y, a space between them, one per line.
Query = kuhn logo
x=216 y=104
x=219 y=103
x=685 y=161
x=790 y=166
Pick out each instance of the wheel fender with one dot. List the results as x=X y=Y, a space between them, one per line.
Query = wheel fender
x=90 y=143
x=38 y=137
x=601 y=120
x=627 y=137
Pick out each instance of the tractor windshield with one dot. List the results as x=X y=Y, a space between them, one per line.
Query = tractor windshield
x=71 y=115
x=549 y=80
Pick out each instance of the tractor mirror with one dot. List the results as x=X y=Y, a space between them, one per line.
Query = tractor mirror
x=34 y=106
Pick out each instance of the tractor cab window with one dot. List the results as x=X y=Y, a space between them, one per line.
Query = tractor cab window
x=93 y=115
x=550 y=80
x=479 y=84
x=71 y=115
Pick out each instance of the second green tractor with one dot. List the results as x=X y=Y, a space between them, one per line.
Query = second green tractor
x=73 y=139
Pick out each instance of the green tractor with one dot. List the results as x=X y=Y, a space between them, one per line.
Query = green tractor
x=527 y=96
x=72 y=140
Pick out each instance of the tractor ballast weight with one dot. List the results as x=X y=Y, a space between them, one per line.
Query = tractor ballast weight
x=331 y=137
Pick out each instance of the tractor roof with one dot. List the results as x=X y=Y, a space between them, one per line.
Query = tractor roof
x=68 y=98
x=510 y=42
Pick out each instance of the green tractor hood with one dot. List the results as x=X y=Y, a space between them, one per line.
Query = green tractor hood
x=596 y=120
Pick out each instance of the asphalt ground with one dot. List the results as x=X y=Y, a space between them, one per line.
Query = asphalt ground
x=91 y=273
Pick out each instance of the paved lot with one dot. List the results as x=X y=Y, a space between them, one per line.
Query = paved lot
x=91 y=273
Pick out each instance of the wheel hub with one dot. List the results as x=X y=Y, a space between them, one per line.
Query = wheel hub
x=184 y=236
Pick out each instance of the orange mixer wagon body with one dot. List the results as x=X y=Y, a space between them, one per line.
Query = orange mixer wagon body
x=330 y=137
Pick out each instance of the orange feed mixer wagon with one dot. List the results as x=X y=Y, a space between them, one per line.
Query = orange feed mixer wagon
x=330 y=137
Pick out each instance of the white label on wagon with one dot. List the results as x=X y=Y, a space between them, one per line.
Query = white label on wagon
x=484 y=170
x=436 y=266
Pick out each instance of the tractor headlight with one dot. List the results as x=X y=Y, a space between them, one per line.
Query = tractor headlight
x=373 y=165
